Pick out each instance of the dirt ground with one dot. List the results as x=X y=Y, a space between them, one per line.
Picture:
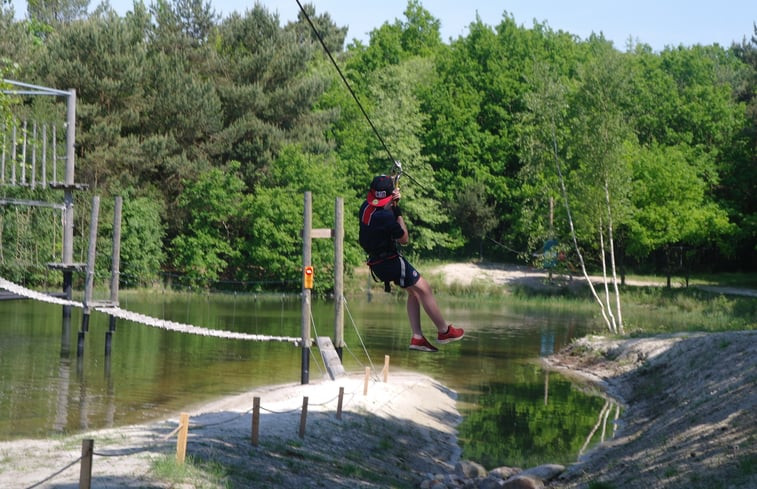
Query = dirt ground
x=689 y=419
x=388 y=436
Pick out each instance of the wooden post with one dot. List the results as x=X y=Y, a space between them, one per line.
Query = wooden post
x=181 y=441
x=91 y=256
x=13 y=154
x=339 y=404
x=255 y=420
x=339 y=276
x=307 y=244
x=68 y=196
x=33 y=182
x=23 y=154
x=55 y=154
x=108 y=343
x=44 y=155
x=2 y=159
x=386 y=368
x=85 y=474
x=303 y=416
x=365 y=383
x=80 y=344
x=115 y=272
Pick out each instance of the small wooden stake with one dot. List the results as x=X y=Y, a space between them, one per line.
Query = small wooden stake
x=255 y=420
x=339 y=404
x=181 y=441
x=386 y=368
x=85 y=474
x=303 y=416
x=367 y=377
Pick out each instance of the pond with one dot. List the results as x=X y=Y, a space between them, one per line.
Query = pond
x=514 y=413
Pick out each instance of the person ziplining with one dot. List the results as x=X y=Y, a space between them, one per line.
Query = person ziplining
x=381 y=228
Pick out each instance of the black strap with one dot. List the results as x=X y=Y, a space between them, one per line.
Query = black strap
x=387 y=284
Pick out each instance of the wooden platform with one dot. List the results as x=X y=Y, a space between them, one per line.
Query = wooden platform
x=330 y=357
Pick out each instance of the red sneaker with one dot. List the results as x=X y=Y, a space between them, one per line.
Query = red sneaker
x=422 y=344
x=452 y=334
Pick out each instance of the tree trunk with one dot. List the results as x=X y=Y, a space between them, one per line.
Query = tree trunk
x=619 y=314
x=611 y=316
x=573 y=233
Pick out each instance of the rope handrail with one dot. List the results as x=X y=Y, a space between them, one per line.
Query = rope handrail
x=51 y=476
x=143 y=318
x=122 y=452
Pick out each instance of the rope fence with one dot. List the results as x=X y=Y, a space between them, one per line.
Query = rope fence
x=145 y=319
x=181 y=432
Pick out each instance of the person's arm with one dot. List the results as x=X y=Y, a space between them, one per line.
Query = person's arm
x=405 y=237
x=394 y=206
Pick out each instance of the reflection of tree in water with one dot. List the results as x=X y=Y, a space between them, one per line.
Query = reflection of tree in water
x=514 y=426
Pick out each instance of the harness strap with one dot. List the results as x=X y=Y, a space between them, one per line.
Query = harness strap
x=381 y=258
x=375 y=260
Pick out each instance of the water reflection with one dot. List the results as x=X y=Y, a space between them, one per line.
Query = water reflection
x=603 y=423
x=514 y=412
x=525 y=424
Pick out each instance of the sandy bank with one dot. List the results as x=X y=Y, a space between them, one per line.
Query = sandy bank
x=689 y=420
x=390 y=436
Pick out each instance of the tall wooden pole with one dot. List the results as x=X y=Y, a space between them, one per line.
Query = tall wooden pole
x=91 y=256
x=68 y=196
x=115 y=273
x=339 y=276
x=307 y=244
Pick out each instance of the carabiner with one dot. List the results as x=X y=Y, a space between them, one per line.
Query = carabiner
x=396 y=173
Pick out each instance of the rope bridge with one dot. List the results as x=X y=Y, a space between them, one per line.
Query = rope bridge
x=143 y=318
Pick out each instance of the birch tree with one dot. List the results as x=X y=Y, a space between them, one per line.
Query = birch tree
x=583 y=148
x=602 y=173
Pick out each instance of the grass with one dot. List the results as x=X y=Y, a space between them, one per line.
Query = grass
x=205 y=475
x=748 y=465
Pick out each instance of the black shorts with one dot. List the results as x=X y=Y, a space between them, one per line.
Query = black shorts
x=397 y=270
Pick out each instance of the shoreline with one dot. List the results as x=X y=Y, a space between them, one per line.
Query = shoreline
x=689 y=401
x=391 y=434
x=687 y=422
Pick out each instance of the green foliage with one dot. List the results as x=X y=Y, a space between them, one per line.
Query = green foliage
x=516 y=427
x=30 y=238
x=55 y=12
x=661 y=143
x=475 y=215
x=332 y=35
x=600 y=485
x=274 y=217
x=142 y=233
x=670 y=201
x=213 y=205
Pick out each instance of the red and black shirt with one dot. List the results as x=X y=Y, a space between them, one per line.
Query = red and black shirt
x=378 y=231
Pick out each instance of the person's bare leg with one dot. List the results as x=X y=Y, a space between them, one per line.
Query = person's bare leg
x=423 y=293
x=414 y=313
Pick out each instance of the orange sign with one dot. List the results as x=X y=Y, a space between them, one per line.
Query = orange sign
x=308 y=277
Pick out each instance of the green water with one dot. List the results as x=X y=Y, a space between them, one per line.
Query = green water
x=514 y=413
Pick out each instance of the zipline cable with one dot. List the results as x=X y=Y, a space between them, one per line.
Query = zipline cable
x=396 y=165
x=346 y=83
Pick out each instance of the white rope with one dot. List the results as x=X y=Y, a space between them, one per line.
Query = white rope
x=352 y=320
x=32 y=294
x=188 y=328
x=144 y=319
